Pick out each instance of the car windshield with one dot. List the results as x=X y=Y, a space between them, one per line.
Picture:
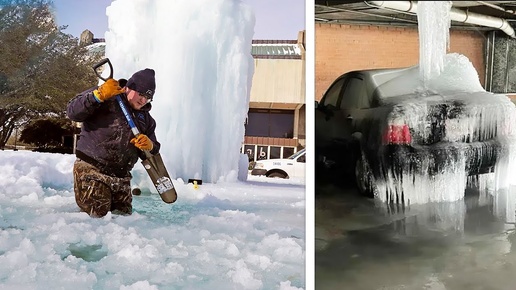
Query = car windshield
x=294 y=156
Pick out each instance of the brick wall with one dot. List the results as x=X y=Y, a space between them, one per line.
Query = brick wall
x=340 y=48
x=270 y=141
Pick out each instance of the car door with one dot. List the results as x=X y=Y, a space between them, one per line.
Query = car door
x=352 y=99
x=338 y=130
x=326 y=126
x=341 y=108
x=355 y=105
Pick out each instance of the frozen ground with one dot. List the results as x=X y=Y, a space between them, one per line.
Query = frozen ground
x=244 y=235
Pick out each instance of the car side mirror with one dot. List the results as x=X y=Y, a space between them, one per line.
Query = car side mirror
x=328 y=113
x=320 y=107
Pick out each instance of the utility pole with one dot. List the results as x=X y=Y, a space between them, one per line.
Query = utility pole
x=15 y=138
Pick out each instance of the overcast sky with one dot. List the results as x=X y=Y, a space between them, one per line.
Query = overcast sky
x=275 y=19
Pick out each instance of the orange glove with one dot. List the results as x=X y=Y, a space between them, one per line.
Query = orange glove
x=142 y=142
x=108 y=90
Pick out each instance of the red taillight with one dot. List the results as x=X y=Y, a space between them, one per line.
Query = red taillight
x=397 y=134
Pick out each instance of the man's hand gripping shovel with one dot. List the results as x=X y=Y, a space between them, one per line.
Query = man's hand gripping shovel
x=153 y=163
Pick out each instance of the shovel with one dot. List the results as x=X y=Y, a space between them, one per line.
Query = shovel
x=153 y=164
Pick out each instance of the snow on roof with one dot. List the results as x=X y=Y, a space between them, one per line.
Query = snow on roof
x=97 y=47
x=275 y=48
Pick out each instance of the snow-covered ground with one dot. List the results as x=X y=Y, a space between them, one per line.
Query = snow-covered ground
x=242 y=235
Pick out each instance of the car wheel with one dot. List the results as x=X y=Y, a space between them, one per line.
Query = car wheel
x=364 y=177
x=277 y=175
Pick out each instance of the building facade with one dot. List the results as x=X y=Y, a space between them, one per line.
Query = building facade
x=275 y=126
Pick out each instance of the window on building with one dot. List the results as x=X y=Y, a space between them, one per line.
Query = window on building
x=288 y=151
x=261 y=152
x=275 y=152
x=250 y=151
x=270 y=123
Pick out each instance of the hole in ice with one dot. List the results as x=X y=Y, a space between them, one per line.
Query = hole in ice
x=91 y=253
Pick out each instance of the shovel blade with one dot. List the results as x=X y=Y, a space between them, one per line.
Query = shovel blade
x=160 y=178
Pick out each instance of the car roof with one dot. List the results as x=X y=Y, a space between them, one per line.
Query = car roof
x=457 y=75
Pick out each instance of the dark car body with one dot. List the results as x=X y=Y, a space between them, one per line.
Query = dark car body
x=399 y=141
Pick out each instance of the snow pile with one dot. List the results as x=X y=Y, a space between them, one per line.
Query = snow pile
x=227 y=236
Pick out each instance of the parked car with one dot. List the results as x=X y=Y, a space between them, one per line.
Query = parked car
x=405 y=144
x=293 y=166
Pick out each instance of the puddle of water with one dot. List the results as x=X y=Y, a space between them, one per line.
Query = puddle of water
x=450 y=246
x=92 y=253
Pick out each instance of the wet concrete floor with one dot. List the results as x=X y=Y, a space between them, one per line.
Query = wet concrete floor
x=454 y=246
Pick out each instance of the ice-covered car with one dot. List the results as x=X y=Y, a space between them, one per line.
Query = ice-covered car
x=410 y=142
x=293 y=166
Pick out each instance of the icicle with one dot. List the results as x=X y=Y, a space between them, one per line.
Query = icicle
x=433 y=26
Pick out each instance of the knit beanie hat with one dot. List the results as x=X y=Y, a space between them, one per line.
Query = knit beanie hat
x=143 y=82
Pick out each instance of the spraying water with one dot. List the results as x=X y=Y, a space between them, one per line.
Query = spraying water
x=201 y=52
x=434 y=36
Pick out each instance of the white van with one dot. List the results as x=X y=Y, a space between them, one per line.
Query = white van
x=293 y=166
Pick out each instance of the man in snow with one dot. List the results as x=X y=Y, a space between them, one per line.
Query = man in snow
x=107 y=150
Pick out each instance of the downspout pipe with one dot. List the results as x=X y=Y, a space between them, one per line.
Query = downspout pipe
x=455 y=15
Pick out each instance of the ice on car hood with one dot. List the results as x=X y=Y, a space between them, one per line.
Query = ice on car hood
x=458 y=74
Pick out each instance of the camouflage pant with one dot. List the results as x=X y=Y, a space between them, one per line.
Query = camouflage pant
x=97 y=193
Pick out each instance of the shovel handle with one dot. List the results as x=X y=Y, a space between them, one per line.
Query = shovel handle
x=129 y=119
x=101 y=63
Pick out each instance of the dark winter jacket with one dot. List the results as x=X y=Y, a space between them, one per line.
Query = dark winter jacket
x=105 y=134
